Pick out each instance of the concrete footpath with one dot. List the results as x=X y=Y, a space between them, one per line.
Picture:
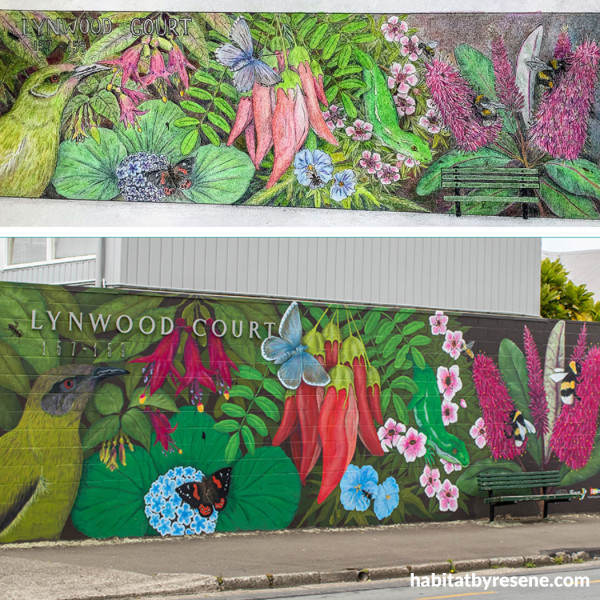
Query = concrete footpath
x=91 y=569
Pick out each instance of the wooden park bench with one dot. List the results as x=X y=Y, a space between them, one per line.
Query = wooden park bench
x=497 y=481
x=497 y=178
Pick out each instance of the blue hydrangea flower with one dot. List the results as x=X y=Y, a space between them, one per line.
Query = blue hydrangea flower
x=386 y=498
x=344 y=185
x=313 y=168
x=132 y=181
x=167 y=512
x=358 y=486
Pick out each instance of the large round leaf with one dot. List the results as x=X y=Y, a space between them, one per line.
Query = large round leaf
x=86 y=170
x=264 y=494
x=221 y=175
x=467 y=482
x=580 y=177
x=112 y=503
x=564 y=204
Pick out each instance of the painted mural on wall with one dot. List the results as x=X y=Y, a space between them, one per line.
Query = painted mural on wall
x=137 y=414
x=347 y=111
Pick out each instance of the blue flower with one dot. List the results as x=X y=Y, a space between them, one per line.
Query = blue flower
x=387 y=498
x=168 y=510
x=168 y=487
x=155 y=488
x=189 y=472
x=155 y=520
x=132 y=178
x=177 y=529
x=313 y=168
x=178 y=471
x=344 y=185
x=164 y=526
x=358 y=487
x=185 y=514
x=156 y=503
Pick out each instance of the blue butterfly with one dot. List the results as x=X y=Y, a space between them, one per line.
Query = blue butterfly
x=287 y=351
x=240 y=59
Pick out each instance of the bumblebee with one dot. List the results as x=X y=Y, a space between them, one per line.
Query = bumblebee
x=467 y=349
x=568 y=381
x=486 y=109
x=428 y=49
x=547 y=72
x=517 y=427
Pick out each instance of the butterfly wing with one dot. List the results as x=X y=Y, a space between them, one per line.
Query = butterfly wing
x=264 y=74
x=230 y=56
x=240 y=35
x=190 y=493
x=244 y=77
x=158 y=178
x=312 y=371
x=290 y=328
x=276 y=349
x=290 y=372
x=219 y=486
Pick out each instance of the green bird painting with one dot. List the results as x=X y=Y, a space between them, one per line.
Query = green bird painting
x=41 y=459
x=30 y=131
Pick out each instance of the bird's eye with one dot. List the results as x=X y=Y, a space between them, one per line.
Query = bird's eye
x=69 y=383
x=454 y=451
x=413 y=148
x=54 y=78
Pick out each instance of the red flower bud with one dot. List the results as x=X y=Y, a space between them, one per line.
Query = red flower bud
x=333 y=340
x=284 y=135
x=243 y=118
x=373 y=393
x=262 y=105
x=288 y=420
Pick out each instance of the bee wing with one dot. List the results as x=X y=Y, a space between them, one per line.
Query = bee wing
x=529 y=426
x=312 y=371
x=433 y=44
x=559 y=376
x=290 y=372
x=536 y=64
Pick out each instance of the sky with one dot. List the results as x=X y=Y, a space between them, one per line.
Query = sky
x=565 y=244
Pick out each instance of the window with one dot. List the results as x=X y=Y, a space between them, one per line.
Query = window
x=35 y=250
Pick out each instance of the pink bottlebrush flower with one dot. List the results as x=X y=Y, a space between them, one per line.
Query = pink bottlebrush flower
x=448 y=381
x=128 y=64
x=580 y=350
x=438 y=323
x=158 y=70
x=563 y=49
x=449 y=412
x=128 y=102
x=449 y=467
x=219 y=361
x=371 y=162
x=412 y=445
x=361 y=131
x=388 y=174
x=196 y=374
x=575 y=427
x=402 y=77
x=432 y=121
x=410 y=47
x=453 y=343
x=561 y=120
x=390 y=433
x=178 y=64
x=478 y=433
x=454 y=98
x=506 y=87
x=538 y=403
x=448 y=496
x=162 y=429
x=394 y=29
x=430 y=480
x=405 y=105
x=496 y=406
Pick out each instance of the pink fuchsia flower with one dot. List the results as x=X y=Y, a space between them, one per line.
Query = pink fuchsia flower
x=477 y=432
x=430 y=480
x=431 y=121
x=448 y=496
x=561 y=120
x=410 y=47
x=405 y=105
x=412 y=445
x=402 y=77
x=575 y=427
x=158 y=70
x=162 y=429
x=563 y=49
x=438 y=321
x=128 y=102
x=449 y=412
x=390 y=433
x=371 y=162
x=538 y=403
x=496 y=406
x=178 y=64
x=127 y=63
x=387 y=174
x=196 y=374
x=454 y=98
x=394 y=29
x=453 y=343
x=361 y=131
x=449 y=381
x=406 y=161
x=505 y=83
x=220 y=363
x=449 y=467
x=463 y=403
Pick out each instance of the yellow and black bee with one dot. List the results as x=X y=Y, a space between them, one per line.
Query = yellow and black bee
x=517 y=427
x=568 y=381
x=547 y=72
x=467 y=348
x=428 y=49
x=486 y=109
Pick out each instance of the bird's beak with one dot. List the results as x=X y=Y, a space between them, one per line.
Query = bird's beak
x=104 y=372
x=85 y=71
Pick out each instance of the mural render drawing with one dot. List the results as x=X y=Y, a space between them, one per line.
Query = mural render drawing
x=346 y=111
x=138 y=414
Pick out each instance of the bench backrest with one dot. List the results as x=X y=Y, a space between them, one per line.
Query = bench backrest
x=498 y=480
x=488 y=177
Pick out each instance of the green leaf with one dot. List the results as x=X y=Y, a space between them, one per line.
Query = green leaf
x=189 y=141
x=391 y=345
x=566 y=205
x=105 y=103
x=553 y=359
x=210 y=133
x=411 y=328
x=386 y=396
x=477 y=69
x=108 y=399
x=219 y=121
x=101 y=431
x=405 y=383
x=241 y=391
x=225 y=107
x=330 y=46
x=365 y=38
x=306 y=28
x=229 y=91
x=383 y=331
x=372 y=322
x=419 y=340
x=248 y=372
x=204 y=77
x=591 y=468
x=317 y=36
x=331 y=93
x=137 y=426
x=227 y=426
x=579 y=177
x=248 y=438
x=355 y=26
x=198 y=93
x=142 y=397
x=232 y=448
x=192 y=107
x=352 y=84
x=467 y=482
x=418 y=358
x=108 y=45
x=186 y=122
x=401 y=356
x=258 y=424
x=274 y=388
x=195 y=42
x=268 y=407
x=233 y=410
x=345 y=55
x=12 y=374
x=400 y=408
x=403 y=314
x=86 y=170
x=10 y=409
x=349 y=105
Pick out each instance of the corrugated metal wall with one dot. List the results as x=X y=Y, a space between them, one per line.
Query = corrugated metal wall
x=76 y=271
x=500 y=275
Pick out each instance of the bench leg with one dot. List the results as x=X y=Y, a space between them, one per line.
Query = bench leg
x=457 y=204
x=545 y=509
x=525 y=210
x=492 y=513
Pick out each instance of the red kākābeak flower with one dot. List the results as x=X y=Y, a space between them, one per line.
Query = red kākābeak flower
x=374 y=393
x=353 y=354
x=338 y=426
x=160 y=362
x=317 y=72
x=243 y=118
x=263 y=102
x=333 y=341
x=220 y=363
x=196 y=374
x=315 y=344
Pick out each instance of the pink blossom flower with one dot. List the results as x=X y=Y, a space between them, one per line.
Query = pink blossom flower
x=561 y=120
x=463 y=403
x=405 y=105
x=410 y=47
x=128 y=64
x=430 y=480
x=431 y=121
x=128 y=102
x=406 y=161
x=448 y=381
x=402 y=77
x=448 y=496
x=412 y=445
x=449 y=412
x=394 y=29
x=453 y=343
x=505 y=84
x=477 y=432
x=390 y=433
x=387 y=174
x=334 y=117
x=178 y=64
x=449 y=467
x=438 y=321
x=454 y=98
x=371 y=162
x=361 y=130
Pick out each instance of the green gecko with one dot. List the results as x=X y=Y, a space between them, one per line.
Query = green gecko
x=382 y=113
x=426 y=407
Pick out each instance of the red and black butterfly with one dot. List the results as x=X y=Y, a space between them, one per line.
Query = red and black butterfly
x=174 y=177
x=207 y=495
